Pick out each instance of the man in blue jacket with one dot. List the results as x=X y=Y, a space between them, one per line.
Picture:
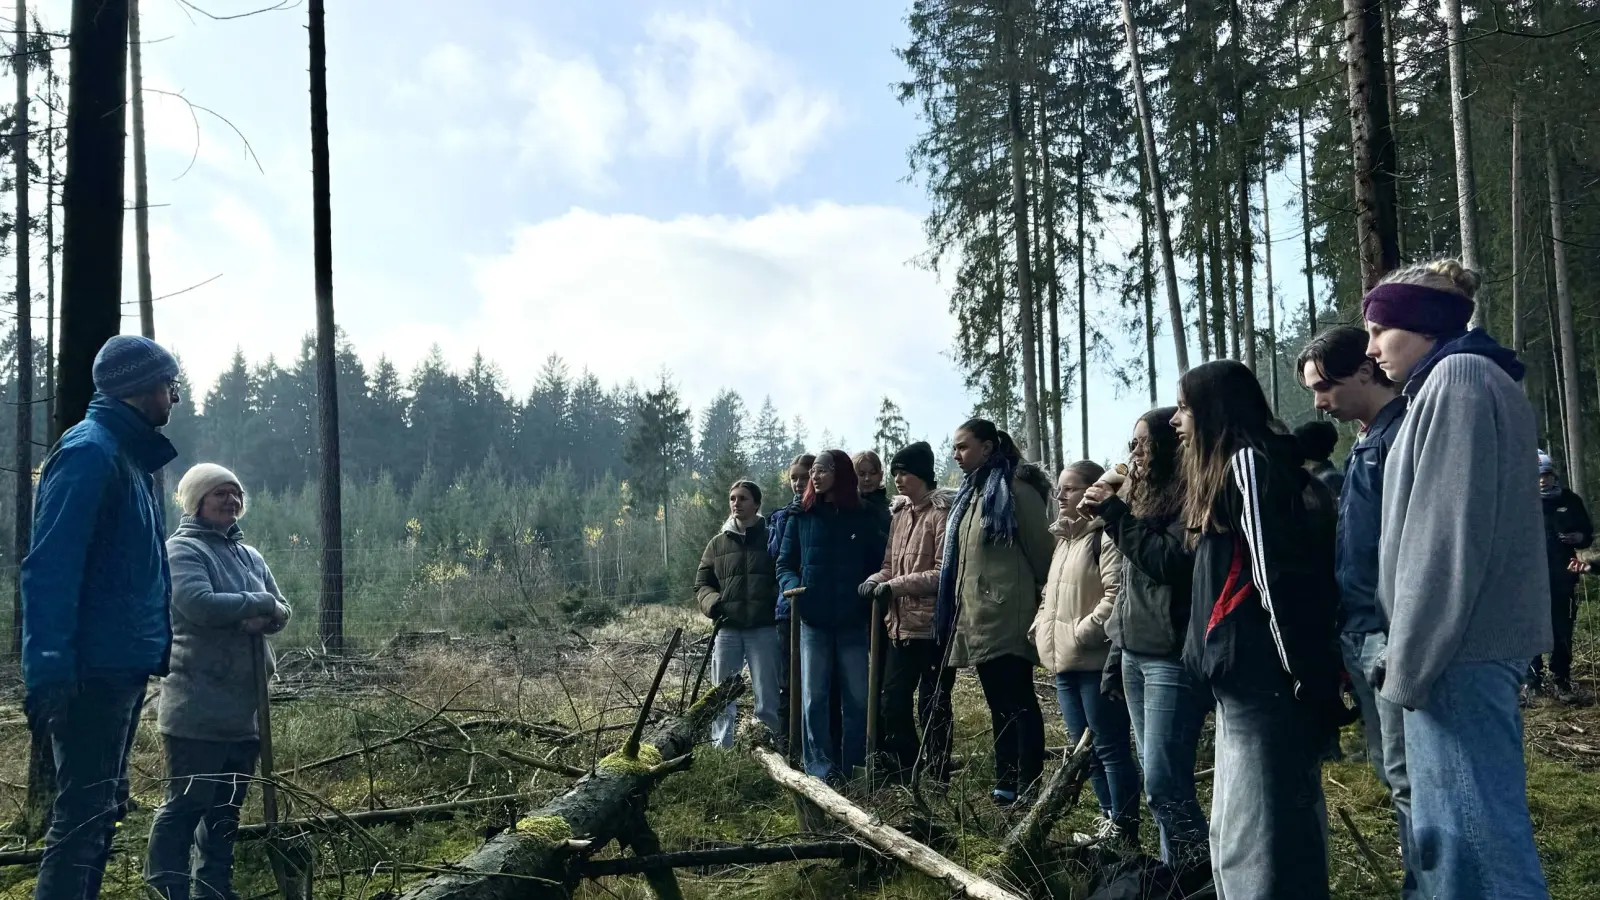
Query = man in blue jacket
x=1350 y=387
x=95 y=589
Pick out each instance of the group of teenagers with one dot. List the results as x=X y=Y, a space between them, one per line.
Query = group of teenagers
x=1214 y=574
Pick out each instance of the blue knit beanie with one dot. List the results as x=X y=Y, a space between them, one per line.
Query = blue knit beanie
x=131 y=366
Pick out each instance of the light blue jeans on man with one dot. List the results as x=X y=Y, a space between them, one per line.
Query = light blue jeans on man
x=1471 y=834
x=1383 y=723
x=827 y=656
x=1167 y=710
x=759 y=649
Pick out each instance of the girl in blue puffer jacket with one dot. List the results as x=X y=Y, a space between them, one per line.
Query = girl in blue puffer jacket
x=831 y=543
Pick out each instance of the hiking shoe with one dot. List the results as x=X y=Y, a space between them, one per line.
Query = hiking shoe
x=1003 y=797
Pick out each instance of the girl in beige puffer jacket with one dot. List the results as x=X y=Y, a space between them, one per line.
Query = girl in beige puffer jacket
x=1070 y=635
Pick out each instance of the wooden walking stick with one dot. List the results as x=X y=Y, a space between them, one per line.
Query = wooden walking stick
x=291 y=857
x=794 y=673
x=875 y=679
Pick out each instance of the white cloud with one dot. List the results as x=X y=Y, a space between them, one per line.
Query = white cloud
x=699 y=83
x=575 y=116
x=451 y=67
x=817 y=307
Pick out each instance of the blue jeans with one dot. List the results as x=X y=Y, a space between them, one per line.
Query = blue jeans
x=90 y=740
x=757 y=648
x=1269 y=823
x=206 y=785
x=1168 y=710
x=1112 y=770
x=1384 y=725
x=1472 y=837
x=828 y=658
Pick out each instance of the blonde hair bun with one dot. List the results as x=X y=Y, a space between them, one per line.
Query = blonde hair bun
x=1445 y=274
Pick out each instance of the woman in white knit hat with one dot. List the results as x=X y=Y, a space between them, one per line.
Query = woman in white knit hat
x=223 y=596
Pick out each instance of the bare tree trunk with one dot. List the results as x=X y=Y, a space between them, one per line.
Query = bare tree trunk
x=92 y=199
x=332 y=606
x=1157 y=188
x=1058 y=442
x=1246 y=250
x=1000 y=321
x=1272 y=299
x=1466 y=182
x=1083 y=317
x=1569 y=339
x=1558 y=381
x=50 y=239
x=1196 y=228
x=1305 y=206
x=1519 y=339
x=1019 y=213
x=92 y=202
x=141 y=186
x=1147 y=293
x=23 y=476
x=1230 y=236
x=1371 y=140
x=1219 y=308
x=1247 y=263
x=1391 y=82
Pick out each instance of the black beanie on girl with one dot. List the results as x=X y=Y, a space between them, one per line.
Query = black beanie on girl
x=917 y=460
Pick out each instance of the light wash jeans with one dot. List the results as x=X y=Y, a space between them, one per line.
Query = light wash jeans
x=1269 y=822
x=826 y=657
x=1383 y=722
x=1168 y=710
x=759 y=649
x=1471 y=834
x=1112 y=770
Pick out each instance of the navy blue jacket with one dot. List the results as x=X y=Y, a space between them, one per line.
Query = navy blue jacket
x=1360 y=521
x=830 y=552
x=95 y=586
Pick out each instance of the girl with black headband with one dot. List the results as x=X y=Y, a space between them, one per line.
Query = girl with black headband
x=1461 y=576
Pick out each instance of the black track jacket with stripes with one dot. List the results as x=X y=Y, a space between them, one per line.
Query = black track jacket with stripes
x=1265 y=597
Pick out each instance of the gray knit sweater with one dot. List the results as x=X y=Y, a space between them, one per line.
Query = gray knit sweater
x=1461 y=568
x=217 y=583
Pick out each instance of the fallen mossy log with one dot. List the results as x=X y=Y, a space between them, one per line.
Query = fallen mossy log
x=880 y=836
x=743 y=855
x=1022 y=850
x=532 y=862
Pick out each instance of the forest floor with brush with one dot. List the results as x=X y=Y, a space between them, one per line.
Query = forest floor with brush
x=444 y=720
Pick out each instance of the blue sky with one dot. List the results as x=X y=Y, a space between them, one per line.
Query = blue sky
x=715 y=188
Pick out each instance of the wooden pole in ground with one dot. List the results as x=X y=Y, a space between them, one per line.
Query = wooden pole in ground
x=875 y=682
x=795 y=709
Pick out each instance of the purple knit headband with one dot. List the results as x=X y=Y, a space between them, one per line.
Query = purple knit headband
x=1415 y=307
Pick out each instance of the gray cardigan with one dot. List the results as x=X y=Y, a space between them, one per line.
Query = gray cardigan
x=1461 y=567
x=217 y=583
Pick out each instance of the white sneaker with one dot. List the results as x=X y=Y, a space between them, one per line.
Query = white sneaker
x=1105 y=831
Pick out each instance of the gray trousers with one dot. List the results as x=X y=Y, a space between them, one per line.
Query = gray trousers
x=206 y=785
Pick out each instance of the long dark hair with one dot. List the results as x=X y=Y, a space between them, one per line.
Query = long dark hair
x=1230 y=414
x=1157 y=489
x=846 y=492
